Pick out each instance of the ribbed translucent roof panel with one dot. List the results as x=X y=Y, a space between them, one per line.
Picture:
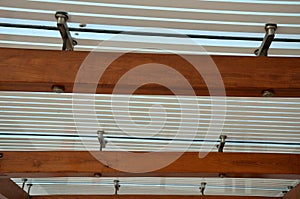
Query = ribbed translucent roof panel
x=49 y=121
x=159 y=186
x=227 y=27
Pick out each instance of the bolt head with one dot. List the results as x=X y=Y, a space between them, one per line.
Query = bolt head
x=268 y=93
x=270 y=26
x=61 y=14
x=223 y=137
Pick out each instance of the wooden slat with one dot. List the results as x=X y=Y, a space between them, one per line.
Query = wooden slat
x=38 y=70
x=294 y=193
x=147 y=197
x=10 y=190
x=82 y=163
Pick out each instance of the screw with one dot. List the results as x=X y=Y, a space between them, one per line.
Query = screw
x=1 y=155
x=97 y=175
x=58 y=89
x=74 y=42
x=221 y=175
x=268 y=93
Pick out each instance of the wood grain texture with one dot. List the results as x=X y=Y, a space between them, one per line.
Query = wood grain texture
x=294 y=193
x=148 y=197
x=82 y=163
x=39 y=70
x=10 y=190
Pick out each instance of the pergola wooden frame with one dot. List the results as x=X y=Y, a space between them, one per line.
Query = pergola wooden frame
x=39 y=70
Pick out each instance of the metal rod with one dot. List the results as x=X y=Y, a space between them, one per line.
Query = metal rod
x=117 y=186
x=102 y=142
x=195 y=36
x=222 y=143
x=266 y=43
x=202 y=187
x=68 y=42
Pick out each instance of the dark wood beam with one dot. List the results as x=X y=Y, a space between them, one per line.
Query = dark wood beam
x=148 y=197
x=82 y=163
x=294 y=193
x=10 y=190
x=39 y=70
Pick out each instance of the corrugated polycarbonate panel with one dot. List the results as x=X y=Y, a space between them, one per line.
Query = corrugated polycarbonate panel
x=244 y=20
x=49 y=121
x=160 y=186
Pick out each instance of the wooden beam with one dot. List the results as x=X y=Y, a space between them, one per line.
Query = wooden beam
x=82 y=163
x=39 y=70
x=147 y=197
x=10 y=190
x=294 y=193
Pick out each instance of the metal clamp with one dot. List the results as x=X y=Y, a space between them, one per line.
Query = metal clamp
x=222 y=143
x=68 y=41
x=202 y=187
x=266 y=43
x=102 y=142
x=117 y=186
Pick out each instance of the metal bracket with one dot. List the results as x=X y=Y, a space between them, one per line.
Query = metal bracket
x=266 y=43
x=117 y=186
x=202 y=187
x=102 y=142
x=68 y=41
x=222 y=143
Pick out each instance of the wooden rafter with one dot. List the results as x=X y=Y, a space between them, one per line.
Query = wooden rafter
x=9 y=189
x=39 y=70
x=82 y=163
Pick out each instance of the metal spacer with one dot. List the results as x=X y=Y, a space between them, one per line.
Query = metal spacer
x=68 y=41
x=101 y=139
x=117 y=186
x=202 y=187
x=266 y=43
x=222 y=143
